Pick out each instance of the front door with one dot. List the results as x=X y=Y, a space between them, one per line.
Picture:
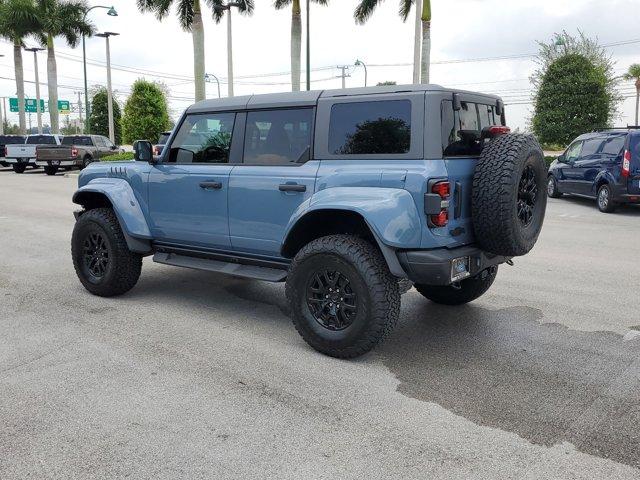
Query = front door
x=569 y=173
x=274 y=178
x=188 y=189
x=589 y=165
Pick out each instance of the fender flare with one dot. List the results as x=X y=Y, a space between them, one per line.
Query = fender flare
x=603 y=177
x=125 y=206
x=390 y=214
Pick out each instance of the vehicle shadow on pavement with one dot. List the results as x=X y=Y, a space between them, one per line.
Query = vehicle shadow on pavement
x=622 y=210
x=504 y=369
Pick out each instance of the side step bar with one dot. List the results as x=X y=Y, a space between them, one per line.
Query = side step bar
x=247 y=271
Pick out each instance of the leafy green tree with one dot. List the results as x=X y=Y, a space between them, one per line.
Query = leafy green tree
x=146 y=114
x=572 y=99
x=18 y=19
x=190 y=18
x=633 y=74
x=296 y=37
x=59 y=18
x=99 y=119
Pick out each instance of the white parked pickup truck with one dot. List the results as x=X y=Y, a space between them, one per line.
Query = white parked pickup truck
x=21 y=156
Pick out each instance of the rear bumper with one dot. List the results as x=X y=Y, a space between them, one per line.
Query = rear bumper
x=435 y=267
x=628 y=198
x=11 y=161
x=58 y=163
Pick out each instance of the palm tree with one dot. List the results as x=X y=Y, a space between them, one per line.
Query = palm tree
x=366 y=7
x=190 y=18
x=60 y=18
x=296 y=37
x=634 y=74
x=18 y=19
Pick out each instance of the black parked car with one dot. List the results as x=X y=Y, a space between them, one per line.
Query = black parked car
x=604 y=165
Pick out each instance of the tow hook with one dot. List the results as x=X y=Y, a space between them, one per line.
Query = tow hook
x=509 y=262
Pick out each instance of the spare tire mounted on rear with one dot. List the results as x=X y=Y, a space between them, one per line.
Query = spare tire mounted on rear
x=509 y=195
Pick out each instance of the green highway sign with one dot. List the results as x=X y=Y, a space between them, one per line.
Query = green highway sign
x=30 y=106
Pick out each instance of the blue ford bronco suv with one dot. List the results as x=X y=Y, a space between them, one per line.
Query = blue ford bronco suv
x=344 y=194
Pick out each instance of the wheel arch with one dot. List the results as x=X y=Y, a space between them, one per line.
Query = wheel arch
x=331 y=221
x=118 y=195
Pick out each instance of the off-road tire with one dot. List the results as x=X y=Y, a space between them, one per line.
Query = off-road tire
x=495 y=196
x=49 y=170
x=606 y=203
x=552 y=187
x=376 y=290
x=124 y=267
x=468 y=290
x=19 y=167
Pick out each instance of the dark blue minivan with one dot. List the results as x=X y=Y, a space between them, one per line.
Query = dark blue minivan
x=604 y=165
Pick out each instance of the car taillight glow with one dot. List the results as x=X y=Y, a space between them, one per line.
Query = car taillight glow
x=495 y=130
x=444 y=190
x=626 y=164
x=74 y=152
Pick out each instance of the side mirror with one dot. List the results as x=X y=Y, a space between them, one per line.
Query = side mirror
x=561 y=159
x=114 y=147
x=142 y=151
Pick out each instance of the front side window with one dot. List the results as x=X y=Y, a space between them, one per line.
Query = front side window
x=368 y=128
x=203 y=138
x=276 y=137
x=573 y=152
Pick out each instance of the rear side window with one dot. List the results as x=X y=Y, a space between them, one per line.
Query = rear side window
x=614 y=145
x=86 y=141
x=41 y=140
x=591 y=147
x=11 y=140
x=364 y=128
x=461 y=129
x=276 y=137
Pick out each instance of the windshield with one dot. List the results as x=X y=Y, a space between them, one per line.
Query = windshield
x=11 y=139
x=41 y=140
x=82 y=140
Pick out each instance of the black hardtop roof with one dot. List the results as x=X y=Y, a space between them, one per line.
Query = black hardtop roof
x=310 y=98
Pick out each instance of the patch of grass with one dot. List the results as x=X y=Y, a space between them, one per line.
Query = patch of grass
x=118 y=157
x=549 y=160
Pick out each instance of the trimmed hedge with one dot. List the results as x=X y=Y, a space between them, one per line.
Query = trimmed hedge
x=118 y=157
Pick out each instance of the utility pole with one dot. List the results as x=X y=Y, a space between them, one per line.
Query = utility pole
x=343 y=74
x=80 y=107
x=106 y=36
x=308 y=46
x=35 y=51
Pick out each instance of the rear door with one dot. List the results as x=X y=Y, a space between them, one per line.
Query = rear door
x=274 y=178
x=188 y=189
x=588 y=166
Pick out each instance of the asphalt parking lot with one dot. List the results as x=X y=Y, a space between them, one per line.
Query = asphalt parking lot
x=196 y=375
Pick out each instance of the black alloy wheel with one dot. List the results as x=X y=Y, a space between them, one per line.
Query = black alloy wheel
x=527 y=195
x=95 y=255
x=331 y=299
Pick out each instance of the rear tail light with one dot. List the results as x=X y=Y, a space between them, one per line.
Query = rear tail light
x=443 y=189
x=626 y=164
x=74 y=152
x=495 y=130
x=37 y=153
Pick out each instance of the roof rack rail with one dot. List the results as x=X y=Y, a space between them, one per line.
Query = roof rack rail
x=628 y=127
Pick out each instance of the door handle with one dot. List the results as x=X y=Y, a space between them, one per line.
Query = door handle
x=211 y=185
x=292 y=187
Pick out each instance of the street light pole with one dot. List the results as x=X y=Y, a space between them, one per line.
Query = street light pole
x=106 y=36
x=361 y=63
x=35 y=51
x=207 y=78
x=112 y=13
